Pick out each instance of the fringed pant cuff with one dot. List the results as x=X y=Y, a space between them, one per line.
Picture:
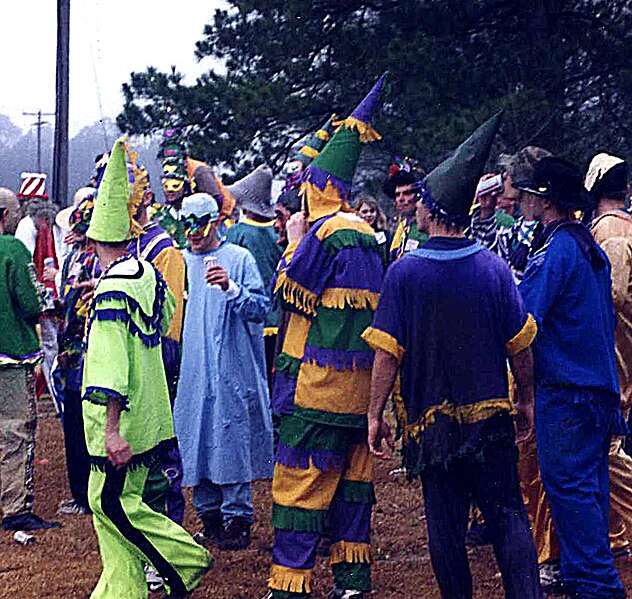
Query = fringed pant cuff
x=290 y=579
x=346 y=551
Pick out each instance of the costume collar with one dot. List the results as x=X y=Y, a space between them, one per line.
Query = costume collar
x=444 y=249
x=255 y=223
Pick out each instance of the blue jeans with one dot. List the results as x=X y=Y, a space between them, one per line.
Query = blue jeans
x=573 y=432
x=232 y=500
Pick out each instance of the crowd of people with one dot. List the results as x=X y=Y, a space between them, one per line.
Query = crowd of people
x=221 y=336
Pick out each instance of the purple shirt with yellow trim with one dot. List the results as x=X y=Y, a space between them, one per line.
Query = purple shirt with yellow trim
x=450 y=311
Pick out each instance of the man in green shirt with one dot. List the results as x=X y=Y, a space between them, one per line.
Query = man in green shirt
x=126 y=409
x=20 y=308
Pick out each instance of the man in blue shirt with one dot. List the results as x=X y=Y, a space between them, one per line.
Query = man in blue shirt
x=567 y=288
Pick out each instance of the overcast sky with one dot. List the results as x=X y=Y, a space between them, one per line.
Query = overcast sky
x=120 y=36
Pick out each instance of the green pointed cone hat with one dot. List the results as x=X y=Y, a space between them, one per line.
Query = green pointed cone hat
x=111 y=220
x=327 y=180
x=449 y=189
x=316 y=143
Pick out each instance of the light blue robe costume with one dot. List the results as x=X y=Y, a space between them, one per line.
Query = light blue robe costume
x=222 y=411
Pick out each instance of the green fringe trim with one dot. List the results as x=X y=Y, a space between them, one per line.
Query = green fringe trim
x=300 y=434
x=353 y=491
x=331 y=326
x=288 y=365
x=298 y=519
x=352 y=577
x=331 y=419
x=348 y=238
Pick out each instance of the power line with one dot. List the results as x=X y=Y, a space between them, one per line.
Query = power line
x=97 y=87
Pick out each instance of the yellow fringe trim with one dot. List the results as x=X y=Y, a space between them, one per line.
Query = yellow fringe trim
x=341 y=223
x=297 y=295
x=524 y=338
x=269 y=331
x=352 y=553
x=461 y=414
x=398 y=403
x=323 y=135
x=378 y=339
x=366 y=132
x=321 y=203
x=290 y=579
x=358 y=299
x=309 y=151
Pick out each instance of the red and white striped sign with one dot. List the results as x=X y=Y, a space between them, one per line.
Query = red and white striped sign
x=32 y=185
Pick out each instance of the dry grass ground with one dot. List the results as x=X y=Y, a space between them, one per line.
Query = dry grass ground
x=65 y=563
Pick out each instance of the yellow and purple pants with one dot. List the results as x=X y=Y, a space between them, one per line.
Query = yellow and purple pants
x=322 y=480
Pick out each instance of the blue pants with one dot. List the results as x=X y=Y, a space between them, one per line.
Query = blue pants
x=231 y=500
x=573 y=432
x=493 y=484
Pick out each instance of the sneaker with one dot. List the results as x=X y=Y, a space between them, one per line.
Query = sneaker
x=342 y=594
x=70 y=507
x=551 y=579
x=155 y=582
x=27 y=522
x=236 y=535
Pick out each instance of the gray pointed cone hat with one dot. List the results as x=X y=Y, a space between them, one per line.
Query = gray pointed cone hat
x=450 y=188
x=254 y=191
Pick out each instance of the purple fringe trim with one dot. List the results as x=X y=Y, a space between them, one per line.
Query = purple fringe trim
x=322 y=459
x=148 y=340
x=339 y=359
x=319 y=178
x=438 y=211
x=153 y=321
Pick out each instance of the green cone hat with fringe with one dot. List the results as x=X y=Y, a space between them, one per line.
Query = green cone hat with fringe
x=327 y=180
x=449 y=189
x=111 y=220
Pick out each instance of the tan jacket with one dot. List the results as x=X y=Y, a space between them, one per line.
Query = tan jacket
x=613 y=232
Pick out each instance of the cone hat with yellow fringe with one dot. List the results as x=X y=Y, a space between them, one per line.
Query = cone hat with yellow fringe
x=112 y=219
x=328 y=179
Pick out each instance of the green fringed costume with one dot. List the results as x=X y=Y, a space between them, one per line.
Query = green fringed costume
x=131 y=310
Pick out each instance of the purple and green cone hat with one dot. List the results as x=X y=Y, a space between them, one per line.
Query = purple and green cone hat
x=327 y=180
x=449 y=189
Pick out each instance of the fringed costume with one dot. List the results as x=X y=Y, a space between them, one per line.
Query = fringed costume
x=330 y=283
x=123 y=368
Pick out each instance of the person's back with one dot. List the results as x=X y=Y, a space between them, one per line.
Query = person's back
x=461 y=318
x=613 y=232
x=567 y=289
x=19 y=302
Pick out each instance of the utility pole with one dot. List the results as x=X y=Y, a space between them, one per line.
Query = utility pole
x=60 y=152
x=39 y=124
